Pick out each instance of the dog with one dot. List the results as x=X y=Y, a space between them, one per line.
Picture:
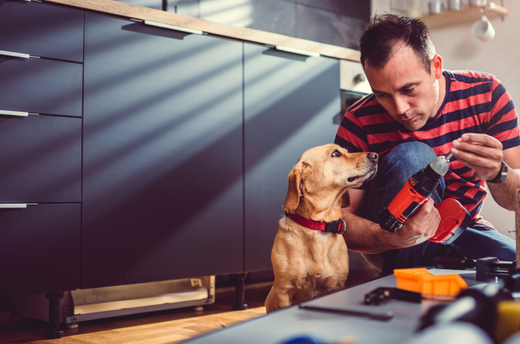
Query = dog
x=308 y=263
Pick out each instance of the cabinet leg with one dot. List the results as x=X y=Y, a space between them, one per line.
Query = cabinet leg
x=240 y=294
x=54 y=330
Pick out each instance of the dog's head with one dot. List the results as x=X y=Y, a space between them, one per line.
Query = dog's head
x=324 y=173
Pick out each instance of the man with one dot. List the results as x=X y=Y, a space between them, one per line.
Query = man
x=418 y=111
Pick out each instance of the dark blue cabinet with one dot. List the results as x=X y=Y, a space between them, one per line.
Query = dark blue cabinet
x=156 y=154
x=40 y=86
x=162 y=173
x=39 y=248
x=41 y=50
x=40 y=159
x=41 y=29
x=289 y=101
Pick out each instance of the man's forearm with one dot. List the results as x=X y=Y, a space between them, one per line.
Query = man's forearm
x=365 y=236
x=504 y=193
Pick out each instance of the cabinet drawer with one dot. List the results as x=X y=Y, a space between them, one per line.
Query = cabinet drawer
x=39 y=248
x=41 y=86
x=39 y=29
x=40 y=159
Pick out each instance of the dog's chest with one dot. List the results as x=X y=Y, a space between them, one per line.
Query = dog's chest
x=328 y=264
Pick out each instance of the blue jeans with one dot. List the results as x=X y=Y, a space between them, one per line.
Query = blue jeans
x=477 y=241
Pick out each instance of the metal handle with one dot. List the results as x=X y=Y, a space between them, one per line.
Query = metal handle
x=13 y=113
x=13 y=205
x=297 y=51
x=13 y=54
x=173 y=27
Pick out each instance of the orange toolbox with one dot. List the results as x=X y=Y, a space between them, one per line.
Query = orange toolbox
x=422 y=281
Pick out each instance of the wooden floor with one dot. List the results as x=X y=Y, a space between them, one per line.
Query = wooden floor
x=172 y=326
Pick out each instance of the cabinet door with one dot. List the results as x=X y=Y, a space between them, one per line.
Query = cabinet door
x=40 y=86
x=39 y=249
x=41 y=29
x=40 y=159
x=290 y=103
x=162 y=191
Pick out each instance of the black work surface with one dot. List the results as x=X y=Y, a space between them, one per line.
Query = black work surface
x=331 y=325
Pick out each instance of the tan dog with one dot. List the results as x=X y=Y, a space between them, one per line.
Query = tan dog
x=312 y=262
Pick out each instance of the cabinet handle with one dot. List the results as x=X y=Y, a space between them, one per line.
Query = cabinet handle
x=13 y=54
x=16 y=113
x=15 y=205
x=173 y=27
x=297 y=51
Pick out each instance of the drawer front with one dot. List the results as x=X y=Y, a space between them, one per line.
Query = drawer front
x=40 y=159
x=41 y=86
x=40 y=29
x=39 y=249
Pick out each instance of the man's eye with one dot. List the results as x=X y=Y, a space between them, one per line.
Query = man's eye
x=409 y=90
x=336 y=153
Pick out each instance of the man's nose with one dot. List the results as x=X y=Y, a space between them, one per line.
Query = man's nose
x=401 y=106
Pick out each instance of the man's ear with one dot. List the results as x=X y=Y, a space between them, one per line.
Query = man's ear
x=345 y=200
x=437 y=66
x=295 y=188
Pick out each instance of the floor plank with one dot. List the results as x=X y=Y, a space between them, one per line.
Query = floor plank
x=171 y=326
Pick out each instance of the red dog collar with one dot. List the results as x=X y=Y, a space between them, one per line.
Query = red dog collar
x=337 y=227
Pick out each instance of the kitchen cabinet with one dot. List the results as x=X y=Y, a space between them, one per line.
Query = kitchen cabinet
x=289 y=102
x=144 y=153
x=41 y=50
x=40 y=86
x=39 y=248
x=40 y=159
x=162 y=154
x=41 y=29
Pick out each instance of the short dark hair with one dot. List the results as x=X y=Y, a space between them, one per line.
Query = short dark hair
x=386 y=31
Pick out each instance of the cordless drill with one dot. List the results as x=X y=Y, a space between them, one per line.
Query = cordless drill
x=416 y=191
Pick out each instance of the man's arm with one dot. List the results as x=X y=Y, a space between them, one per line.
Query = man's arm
x=484 y=154
x=366 y=236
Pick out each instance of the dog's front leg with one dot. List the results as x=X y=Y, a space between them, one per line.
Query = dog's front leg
x=279 y=297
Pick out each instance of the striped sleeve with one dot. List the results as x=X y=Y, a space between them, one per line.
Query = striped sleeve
x=351 y=135
x=503 y=124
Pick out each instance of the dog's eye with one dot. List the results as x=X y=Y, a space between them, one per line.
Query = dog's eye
x=336 y=153
x=351 y=179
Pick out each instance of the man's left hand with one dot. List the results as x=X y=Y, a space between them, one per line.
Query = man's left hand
x=480 y=152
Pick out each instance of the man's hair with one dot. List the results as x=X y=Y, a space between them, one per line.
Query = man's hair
x=385 y=32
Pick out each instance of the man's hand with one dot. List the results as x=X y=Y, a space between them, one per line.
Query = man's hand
x=480 y=152
x=418 y=228
x=368 y=237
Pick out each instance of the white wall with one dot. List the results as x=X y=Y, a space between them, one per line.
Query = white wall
x=500 y=56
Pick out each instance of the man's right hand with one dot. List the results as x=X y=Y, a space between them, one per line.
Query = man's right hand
x=418 y=228
x=368 y=237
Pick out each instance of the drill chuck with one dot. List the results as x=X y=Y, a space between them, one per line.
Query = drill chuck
x=416 y=191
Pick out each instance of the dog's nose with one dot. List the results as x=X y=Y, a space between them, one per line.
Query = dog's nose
x=373 y=156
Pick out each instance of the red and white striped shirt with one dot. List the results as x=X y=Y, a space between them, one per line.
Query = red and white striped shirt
x=474 y=103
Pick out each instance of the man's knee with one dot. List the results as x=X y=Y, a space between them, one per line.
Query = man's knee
x=406 y=159
x=414 y=153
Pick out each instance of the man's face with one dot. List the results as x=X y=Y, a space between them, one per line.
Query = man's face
x=405 y=89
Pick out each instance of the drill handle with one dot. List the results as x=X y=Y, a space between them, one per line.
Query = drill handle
x=454 y=220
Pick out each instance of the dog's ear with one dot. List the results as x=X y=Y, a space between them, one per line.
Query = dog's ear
x=295 y=188
x=345 y=200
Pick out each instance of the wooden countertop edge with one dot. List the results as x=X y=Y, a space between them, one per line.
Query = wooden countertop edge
x=244 y=34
